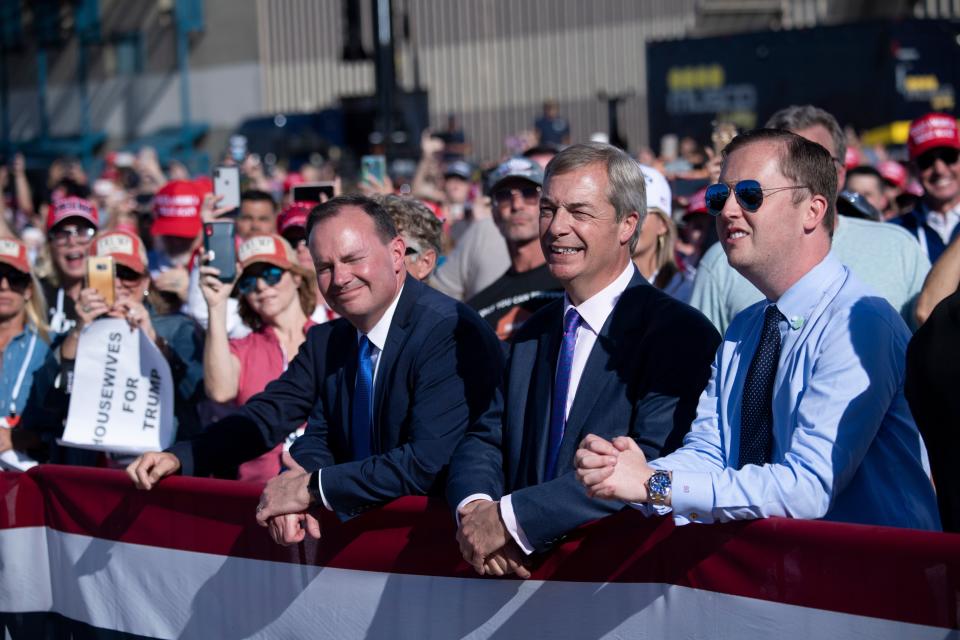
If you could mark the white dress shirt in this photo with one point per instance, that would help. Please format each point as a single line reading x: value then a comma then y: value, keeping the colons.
x: 378, y: 340
x: 594, y: 313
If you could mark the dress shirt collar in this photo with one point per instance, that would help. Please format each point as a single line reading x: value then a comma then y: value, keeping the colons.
x: 799, y: 301
x: 378, y: 335
x: 597, y: 309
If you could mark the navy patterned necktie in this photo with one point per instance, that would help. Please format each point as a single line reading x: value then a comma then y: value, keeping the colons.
x: 756, y: 407
x: 561, y: 388
x: 362, y: 427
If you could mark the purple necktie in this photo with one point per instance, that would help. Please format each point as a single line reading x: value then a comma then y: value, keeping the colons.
x: 561, y: 384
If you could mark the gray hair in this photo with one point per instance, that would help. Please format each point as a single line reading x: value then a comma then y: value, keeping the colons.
x: 798, y: 117
x: 626, y: 190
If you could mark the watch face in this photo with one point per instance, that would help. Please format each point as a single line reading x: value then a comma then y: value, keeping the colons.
x: 660, y: 483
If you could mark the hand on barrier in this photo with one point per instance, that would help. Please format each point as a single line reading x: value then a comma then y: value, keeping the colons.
x: 506, y: 560
x: 481, y: 532
x: 287, y: 494
x: 613, y: 470
x: 152, y: 467
x: 292, y: 528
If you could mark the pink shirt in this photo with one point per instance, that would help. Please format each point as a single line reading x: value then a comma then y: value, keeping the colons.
x: 261, y: 361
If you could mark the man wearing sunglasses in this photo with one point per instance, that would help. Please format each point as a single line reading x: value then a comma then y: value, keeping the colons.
x: 613, y: 354
x: 881, y: 255
x: 804, y: 415
x: 527, y: 285
x: 934, y: 147
x: 387, y: 390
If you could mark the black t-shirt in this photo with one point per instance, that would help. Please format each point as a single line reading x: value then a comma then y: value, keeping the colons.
x: 552, y: 130
x: 62, y: 318
x: 514, y: 297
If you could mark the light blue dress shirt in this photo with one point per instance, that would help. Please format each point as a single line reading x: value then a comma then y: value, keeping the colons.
x: 14, y: 359
x: 845, y: 446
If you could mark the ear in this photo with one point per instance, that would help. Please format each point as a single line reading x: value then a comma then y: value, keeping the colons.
x: 814, y: 213
x: 428, y: 259
x: 398, y: 249
x: 627, y: 227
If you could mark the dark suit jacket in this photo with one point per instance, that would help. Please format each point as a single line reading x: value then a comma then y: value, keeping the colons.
x: 933, y: 369
x: 439, y: 372
x: 643, y: 377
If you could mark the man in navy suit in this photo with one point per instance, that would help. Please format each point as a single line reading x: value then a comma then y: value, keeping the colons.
x: 387, y: 391
x: 614, y: 355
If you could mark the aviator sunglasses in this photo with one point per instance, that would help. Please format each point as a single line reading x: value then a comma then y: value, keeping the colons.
x: 749, y: 195
x: 270, y: 276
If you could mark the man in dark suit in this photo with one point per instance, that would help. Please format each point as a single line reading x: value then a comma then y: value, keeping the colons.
x: 615, y: 355
x: 387, y: 391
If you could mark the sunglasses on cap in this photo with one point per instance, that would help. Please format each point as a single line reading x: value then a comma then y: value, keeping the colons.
x: 504, y: 197
x: 749, y: 195
x: 947, y: 155
x: 270, y: 276
x: 16, y: 279
x: 62, y: 235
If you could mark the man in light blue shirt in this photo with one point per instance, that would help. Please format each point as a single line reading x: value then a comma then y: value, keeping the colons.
x: 804, y: 415
x: 883, y: 256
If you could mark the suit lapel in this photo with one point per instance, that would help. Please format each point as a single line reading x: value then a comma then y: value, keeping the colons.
x: 541, y: 392
x: 388, y: 357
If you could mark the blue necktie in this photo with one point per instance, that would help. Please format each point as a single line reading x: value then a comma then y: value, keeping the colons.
x: 756, y: 407
x: 561, y: 384
x: 361, y: 429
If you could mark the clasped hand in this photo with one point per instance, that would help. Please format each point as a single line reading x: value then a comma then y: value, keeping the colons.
x: 615, y: 470
x: 485, y: 542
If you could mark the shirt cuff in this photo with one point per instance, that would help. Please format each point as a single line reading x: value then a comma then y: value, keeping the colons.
x: 470, y: 498
x: 320, y: 487
x: 692, y: 497
x: 513, y: 527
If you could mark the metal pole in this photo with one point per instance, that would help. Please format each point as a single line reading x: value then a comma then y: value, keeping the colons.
x: 4, y: 104
x: 183, y: 53
x: 42, y: 92
x: 84, y: 101
x: 384, y: 66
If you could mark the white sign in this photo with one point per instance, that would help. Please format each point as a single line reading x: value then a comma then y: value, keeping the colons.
x: 122, y: 397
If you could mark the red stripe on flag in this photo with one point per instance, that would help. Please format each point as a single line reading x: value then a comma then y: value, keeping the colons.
x: 895, y: 574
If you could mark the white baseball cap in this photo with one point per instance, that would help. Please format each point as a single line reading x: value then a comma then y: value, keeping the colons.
x: 659, y: 195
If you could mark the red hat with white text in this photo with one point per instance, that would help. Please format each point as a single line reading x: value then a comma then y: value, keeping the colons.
x: 931, y: 131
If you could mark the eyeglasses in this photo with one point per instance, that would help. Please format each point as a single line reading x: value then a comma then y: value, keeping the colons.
x: 945, y: 154
x: 270, y: 276
x: 504, y: 197
x: 749, y: 195
x: 126, y: 274
x: 62, y: 235
x: 17, y: 280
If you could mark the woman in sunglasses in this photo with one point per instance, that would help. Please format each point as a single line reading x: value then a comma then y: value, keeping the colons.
x: 23, y: 334
x: 136, y: 301
x: 71, y: 224
x: 276, y: 300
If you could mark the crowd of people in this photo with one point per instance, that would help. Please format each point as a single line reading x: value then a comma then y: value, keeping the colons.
x: 543, y: 339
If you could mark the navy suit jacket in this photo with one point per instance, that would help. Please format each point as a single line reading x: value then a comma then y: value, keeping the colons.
x: 643, y: 378
x: 439, y: 372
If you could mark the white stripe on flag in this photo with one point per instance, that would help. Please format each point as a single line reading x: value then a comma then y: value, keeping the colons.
x: 169, y: 593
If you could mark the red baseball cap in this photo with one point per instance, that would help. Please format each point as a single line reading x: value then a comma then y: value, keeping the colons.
x: 125, y: 248
x: 893, y: 172
x: 697, y: 203
x: 272, y: 249
x: 931, y: 131
x: 176, y: 210
x: 204, y: 185
x: 14, y: 253
x: 294, y: 215
x: 852, y: 158
x: 291, y: 181
x: 72, y: 207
